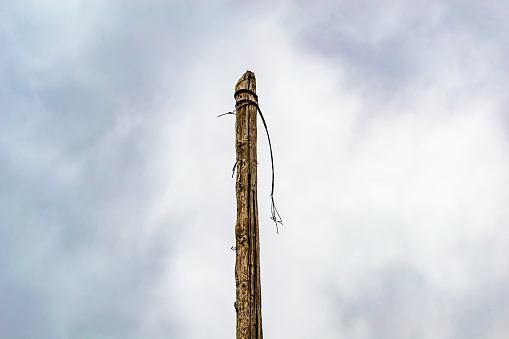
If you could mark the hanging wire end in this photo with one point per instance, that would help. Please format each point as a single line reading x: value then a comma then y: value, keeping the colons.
x: 232, y: 112
x: 275, y: 214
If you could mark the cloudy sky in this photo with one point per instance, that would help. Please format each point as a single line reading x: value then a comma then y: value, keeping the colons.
x: 390, y: 127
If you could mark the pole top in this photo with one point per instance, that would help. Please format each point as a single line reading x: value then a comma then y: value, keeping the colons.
x: 247, y: 81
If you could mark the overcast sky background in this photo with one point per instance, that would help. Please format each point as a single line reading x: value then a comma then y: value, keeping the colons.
x: 390, y: 127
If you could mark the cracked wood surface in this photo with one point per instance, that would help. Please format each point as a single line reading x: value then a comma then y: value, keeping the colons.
x: 247, y: 265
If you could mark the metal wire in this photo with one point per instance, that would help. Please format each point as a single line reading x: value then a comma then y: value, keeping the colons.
x: 273, y: 210
x: 232, y: 112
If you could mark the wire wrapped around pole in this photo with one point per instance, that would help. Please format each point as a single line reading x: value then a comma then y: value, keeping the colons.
x: 275, y: 216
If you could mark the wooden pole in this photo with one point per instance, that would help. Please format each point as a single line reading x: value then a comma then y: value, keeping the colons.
x: 247, y: 265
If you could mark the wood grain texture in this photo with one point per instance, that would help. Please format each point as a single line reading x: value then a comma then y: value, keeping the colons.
x: 247, y: 265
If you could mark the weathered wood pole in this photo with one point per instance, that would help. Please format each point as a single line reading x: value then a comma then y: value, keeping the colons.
x: 247, y: 265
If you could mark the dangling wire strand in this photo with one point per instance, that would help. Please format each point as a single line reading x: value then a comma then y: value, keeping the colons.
x: 232, y: 112
x: 275, y: 216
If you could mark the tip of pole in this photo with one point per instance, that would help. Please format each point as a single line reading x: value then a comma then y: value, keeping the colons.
x: 248, y: 73
x: 247, y: 81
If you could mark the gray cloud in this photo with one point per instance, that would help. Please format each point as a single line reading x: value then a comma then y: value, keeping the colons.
x: 79, y: 98
x: 397, y: 302
x: 388, y: 47
x: 482, y: 314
